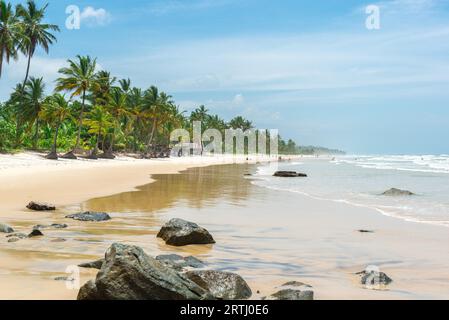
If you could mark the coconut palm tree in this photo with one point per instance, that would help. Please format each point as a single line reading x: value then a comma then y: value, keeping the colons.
x: 10, y: 33
x: 55, y: 110
x: 117, y: 107
x: 101, y: 88
x: 241, y: 123
x: 36, y: 33
x: 78, y: 78
x: 99, y: 122
x: 32, y: 99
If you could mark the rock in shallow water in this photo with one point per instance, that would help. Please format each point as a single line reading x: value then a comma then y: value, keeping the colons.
x: 35, y: 233
x: 129, y: 274
x: 41, y: 206
x: 397, y: 192
x: 4, y: 228
x: 373, y: 279
x: 178, y: 232
x: 90, y: 216
x: 293, y: 290
x: 289, y: 174
x: 54, y: 225
x: 222, y: 285
x: 180, y: 263
x: 92, y: 265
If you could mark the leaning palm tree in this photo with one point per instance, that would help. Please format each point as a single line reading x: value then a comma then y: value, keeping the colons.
x: 10, y: 33
x: 32, y: 99
x: 55, y: 111
x: 117, y: 107
x: 36, y: 32
x: 99, y: 121
x: 78, y: 79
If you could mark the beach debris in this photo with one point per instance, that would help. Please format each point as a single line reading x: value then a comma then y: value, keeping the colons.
x: 92, y: 265
x: 128, y: 273
x: 372, y: 278
x: 222, y: 285
x: 90, y: 216
x: 54, y: 225
x: 293, y: 290
x: 35, y: 233
x: 40, y: 206
x: 180, y: 263
x: 397, y: 192
x: 289, y: 174
x: 178, y: 232
x: 4, y: 228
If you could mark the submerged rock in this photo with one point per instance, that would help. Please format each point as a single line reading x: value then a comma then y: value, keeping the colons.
x: 54, y: 225
x: 90, y: 216
x: 92, y: 265
x: 222, y: 285
x: 292, y: 290
x: 129, y: 274
x: 289, y: 174
x: 17, y: 235
x: 180, y: 263
x: 372, y: 278
x: 41, y: 206
x: 178, y: 232
x: 4, y: 228
x: 397, y: 192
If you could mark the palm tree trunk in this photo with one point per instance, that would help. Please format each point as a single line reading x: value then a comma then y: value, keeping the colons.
x: 36, y: 135
x: 28, y: 69
x: 1, y: 62
x: 78, y: 137
x: 152, y: 135
x: 55, y: 141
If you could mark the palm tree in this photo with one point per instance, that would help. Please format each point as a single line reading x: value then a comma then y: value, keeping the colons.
x: 10, y: 33
x: 32, y: 99
x: 36, y: 33
x: 201, y: 114
x: 99, y: 121
x: 117, y: 106
x: 101, y: 88
x: 241, y: 123
x: 55, y: 110
x: 78, y: 79
x: 125, y: 84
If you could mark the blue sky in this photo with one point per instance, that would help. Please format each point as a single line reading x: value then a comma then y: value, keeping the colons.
x: 310, y: 68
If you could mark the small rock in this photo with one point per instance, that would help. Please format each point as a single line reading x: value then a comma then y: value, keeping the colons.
x: 365, y: 231
x: 54, y: 225
x: 373, y: 279
x: 92, y: 265
x: 35, y: 233
x: 178, y: 232
x: 222, y: 285
x: 397, y: 192
x: 40, y: 206
x: 17, y: 235
x: 5, y: 228
x: 13, y: 239
x: 180, y: 263
x: 65, y: 279
x: 292, y: 290
x: 289, y: 174
x: 90, y: 216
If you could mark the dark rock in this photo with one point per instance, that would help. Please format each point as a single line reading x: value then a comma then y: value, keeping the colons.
x: 5, y: 228
x: 222, y: 285
x: 180, y: 263
x: 292, y: 290
x: 374, y: 279
x: 178, y: 232
x: 90, y: 216
x: 69, y: 155
x: 52, y: 156
x: 35, y: 233
x: 397, y: 193
x: 365, y: 231
x: 289, y: 174
x: 129, y: 274
x: 40, y: 206
x: 92, y: 265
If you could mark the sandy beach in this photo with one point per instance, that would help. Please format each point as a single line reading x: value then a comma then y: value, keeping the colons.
x: 267, y: 236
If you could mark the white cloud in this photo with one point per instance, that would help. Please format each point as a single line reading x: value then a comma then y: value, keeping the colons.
x: 95, y: 17
x: 238, y: 99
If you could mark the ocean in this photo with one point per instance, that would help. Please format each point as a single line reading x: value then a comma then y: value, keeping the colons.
x: 361, y: 180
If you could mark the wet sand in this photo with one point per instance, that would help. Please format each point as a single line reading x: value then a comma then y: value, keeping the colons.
x: 269, y: 237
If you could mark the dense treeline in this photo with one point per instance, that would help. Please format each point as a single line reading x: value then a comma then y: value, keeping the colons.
x: 90, y: 111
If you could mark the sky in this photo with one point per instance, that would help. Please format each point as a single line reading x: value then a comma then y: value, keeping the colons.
x: 311, y: 69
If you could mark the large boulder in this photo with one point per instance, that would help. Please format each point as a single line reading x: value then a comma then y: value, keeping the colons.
x: 397, y: 193
x: 178, y: 232
x: 289, y: 174
x: 41, y: 206
x: 293, y: 290
x: 4, y: 228
x: 180, y: 263
x: 222, y: 285
x: 90, y: 216
x: 129, y: 274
